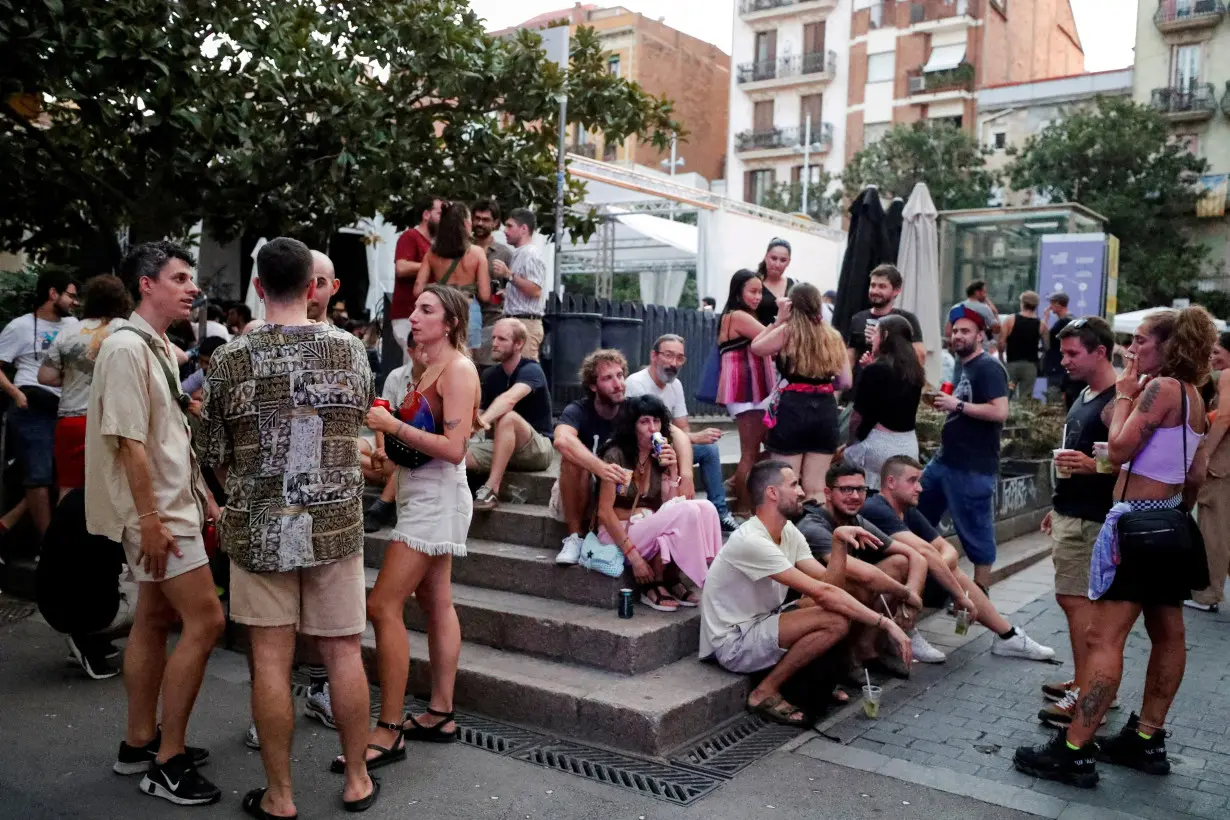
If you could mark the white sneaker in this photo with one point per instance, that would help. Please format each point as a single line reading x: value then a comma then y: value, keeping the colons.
x: 1021, y: 645
x: 1200, y: 607
x: 320, y: 707
x: 571, y: 553
x: 250, y: 738
x: 923, y: 651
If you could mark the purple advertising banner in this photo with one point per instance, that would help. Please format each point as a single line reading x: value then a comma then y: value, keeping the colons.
x: 1075, y: 264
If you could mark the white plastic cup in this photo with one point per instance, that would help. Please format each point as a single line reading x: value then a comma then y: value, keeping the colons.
x: 1059, y: 471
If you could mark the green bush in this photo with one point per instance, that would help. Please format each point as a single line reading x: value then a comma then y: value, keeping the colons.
x: 16, y: 293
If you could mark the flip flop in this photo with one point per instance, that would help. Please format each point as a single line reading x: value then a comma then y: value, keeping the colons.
x: 252, y: 807
x: 363, y: 803
x: 775, y: 709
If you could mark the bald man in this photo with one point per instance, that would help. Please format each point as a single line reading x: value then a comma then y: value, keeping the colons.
x: 326, y: 284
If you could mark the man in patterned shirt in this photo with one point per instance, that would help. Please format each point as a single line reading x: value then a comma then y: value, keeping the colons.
x: 282, y: 414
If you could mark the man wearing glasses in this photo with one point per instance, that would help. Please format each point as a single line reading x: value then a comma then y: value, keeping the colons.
x: 661, y: 379
x: 485, y: 215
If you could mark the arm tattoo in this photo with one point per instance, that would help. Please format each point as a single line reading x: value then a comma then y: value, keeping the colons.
x: 451, y: 424
x: 1150, y: 396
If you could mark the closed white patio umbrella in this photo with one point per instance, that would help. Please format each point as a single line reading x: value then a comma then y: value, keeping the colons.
x: 919, y: 263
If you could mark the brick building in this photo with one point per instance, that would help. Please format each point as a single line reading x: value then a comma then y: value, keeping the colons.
x: 926, y: 59
x: 693, y: 74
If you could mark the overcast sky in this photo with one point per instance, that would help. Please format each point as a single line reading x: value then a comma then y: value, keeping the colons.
x: 1106, y: 37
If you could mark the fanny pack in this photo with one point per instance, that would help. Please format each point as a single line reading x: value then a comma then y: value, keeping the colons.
x: 1167, y: 536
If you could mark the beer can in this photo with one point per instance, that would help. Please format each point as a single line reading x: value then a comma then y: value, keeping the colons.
x: 658, y: 442
x: 625, y: 603
x: 947, y: 388
x: 382, y: 403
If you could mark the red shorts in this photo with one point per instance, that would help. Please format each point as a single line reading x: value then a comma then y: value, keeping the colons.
x: 70, y: 452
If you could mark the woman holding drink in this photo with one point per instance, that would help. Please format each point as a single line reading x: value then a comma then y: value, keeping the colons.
x: 433, y: 517
x: 1144, y: 557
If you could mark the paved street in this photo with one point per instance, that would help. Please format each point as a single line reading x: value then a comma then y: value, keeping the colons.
x: 59, y: 733
x: 956, y: 726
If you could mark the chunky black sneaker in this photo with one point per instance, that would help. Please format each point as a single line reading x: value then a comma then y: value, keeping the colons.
x: 91, y: 656
x: 1129, y: 749
x: 135, y: 760
x: 1055, y: 761
x: 178, y: 781
x: 379, y: 515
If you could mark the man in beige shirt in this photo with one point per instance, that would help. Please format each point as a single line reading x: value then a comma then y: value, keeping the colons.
x: 144, y: 489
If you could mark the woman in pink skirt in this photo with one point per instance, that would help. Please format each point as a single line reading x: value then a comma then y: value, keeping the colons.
x: 664, y: 536
x: 746, y: 380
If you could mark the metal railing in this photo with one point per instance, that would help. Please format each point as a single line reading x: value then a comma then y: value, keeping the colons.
x: 926, y: 11
x: 790, y: 137
x: 752, y: 6
x: 1208, y: 12
x: 959, y: 78
x: 1197, y: 98
x: 797, y: 65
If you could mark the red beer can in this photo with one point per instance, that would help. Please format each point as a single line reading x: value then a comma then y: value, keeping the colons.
x: 382, y: 403
x: 210, y: 536
x: 946, y: 388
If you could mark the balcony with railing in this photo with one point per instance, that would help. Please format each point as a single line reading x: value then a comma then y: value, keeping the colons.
x: 1182, y: 15
x: 1191, y: 103
x: 760, y: 9
x: 785, y: 140
x: 943, y: 11
x: 793, y: 70
x: 960, y: 78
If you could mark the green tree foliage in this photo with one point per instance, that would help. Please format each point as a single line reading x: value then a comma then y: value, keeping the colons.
x: 295, y: 117
x: 938, y: 153
x: 788, y: 198
x: 1117, y: 158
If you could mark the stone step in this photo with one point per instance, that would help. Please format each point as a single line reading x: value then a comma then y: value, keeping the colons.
x: 528, y: 524
x: 577, y: 634
x: 650, y: 714
x: 522, y: 569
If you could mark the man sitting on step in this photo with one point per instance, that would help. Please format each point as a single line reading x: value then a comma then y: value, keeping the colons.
x: 516, y: 414
x: 584, y: 427
x: 876, y: 576
x: 895, y: 512
x: 746, y: 624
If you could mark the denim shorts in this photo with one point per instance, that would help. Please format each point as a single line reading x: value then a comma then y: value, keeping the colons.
x: 34, y: 437
x: 969, y: 499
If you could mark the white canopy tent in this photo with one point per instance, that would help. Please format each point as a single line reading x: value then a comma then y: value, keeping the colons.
x: 1128, y: 322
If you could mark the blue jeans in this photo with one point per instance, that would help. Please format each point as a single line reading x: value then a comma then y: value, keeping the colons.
x: 34, y: 435
x: 969, y: 498
x: 710, y: 461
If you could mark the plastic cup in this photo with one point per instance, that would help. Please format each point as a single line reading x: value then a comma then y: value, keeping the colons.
x: 871, y: 701
x: 1059, y: 471
x: 962, y: 622
x: 1101, y: 457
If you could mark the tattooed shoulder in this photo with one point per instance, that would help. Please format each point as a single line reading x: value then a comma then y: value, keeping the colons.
x: 1152, y: 391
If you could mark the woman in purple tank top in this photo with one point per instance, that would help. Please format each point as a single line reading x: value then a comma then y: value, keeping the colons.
x: 1157, y: 434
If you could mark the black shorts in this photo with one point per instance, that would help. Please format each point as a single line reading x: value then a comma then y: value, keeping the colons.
x: 1150, y: 583
x: 806, y: 423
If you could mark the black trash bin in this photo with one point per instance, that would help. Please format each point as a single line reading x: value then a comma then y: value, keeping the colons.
x: 624, y: 334
x: 573, y: 336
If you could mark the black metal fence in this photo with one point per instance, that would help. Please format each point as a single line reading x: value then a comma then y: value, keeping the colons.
x: 571, y: 335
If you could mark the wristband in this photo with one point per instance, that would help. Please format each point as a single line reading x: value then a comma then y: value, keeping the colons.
x: 880, y: 622
x: 961, y: 407
x: 147, y: 515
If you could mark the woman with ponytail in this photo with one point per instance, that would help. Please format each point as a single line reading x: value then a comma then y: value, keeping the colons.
x: 1145, y: 557
x: 812, y: 360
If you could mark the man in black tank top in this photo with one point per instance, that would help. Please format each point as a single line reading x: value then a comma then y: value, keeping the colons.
x: 1081, y: 499
x: 1020, y: 338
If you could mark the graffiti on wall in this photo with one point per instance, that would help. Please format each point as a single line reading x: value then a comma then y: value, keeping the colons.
x: 1016, y: 495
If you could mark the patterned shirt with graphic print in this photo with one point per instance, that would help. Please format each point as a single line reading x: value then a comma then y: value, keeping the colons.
x: 283, y: 411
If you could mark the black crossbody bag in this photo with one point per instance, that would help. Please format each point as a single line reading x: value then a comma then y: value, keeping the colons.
x: 1162, y: 537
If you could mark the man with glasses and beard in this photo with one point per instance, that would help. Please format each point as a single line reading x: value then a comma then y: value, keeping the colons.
x: 485, y: 216
x: 661, y: 379
x: 746, y: 624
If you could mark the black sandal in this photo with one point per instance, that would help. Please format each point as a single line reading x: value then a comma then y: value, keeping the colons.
x: 388, y: 755
x: 252, y: 807
x: 364, y: 803
x: 431, y: 734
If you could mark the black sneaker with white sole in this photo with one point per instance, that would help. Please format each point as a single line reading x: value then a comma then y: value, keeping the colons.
x: 179, y: 782
x: 135, y: 760
x: 1056, y: 761
x: 91, y: 656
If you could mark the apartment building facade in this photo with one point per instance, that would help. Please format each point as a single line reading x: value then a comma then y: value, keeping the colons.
x: 1182, y: 70
x: 913, y: 60
x: 693, y: 74
x: 789, y: 60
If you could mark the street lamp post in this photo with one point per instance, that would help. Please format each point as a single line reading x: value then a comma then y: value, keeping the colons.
x: 806, y: 158
x: 559, y: 191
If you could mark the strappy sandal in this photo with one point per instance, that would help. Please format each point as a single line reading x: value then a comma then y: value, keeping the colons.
x: 775, y: 709
x: 431, y: 734
x: 387, y: 755
x: 687, y: 598
x: 656, y: 597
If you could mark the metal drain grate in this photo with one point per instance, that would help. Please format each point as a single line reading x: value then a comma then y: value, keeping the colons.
x: 736, y: 746
x: 12, y: 611
x: 668, y: 783
x: 481, y: 733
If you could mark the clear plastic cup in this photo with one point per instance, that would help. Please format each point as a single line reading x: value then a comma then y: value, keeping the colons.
x: 871, y: 701
x: 962, y: 621
x: 1101, y: 457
